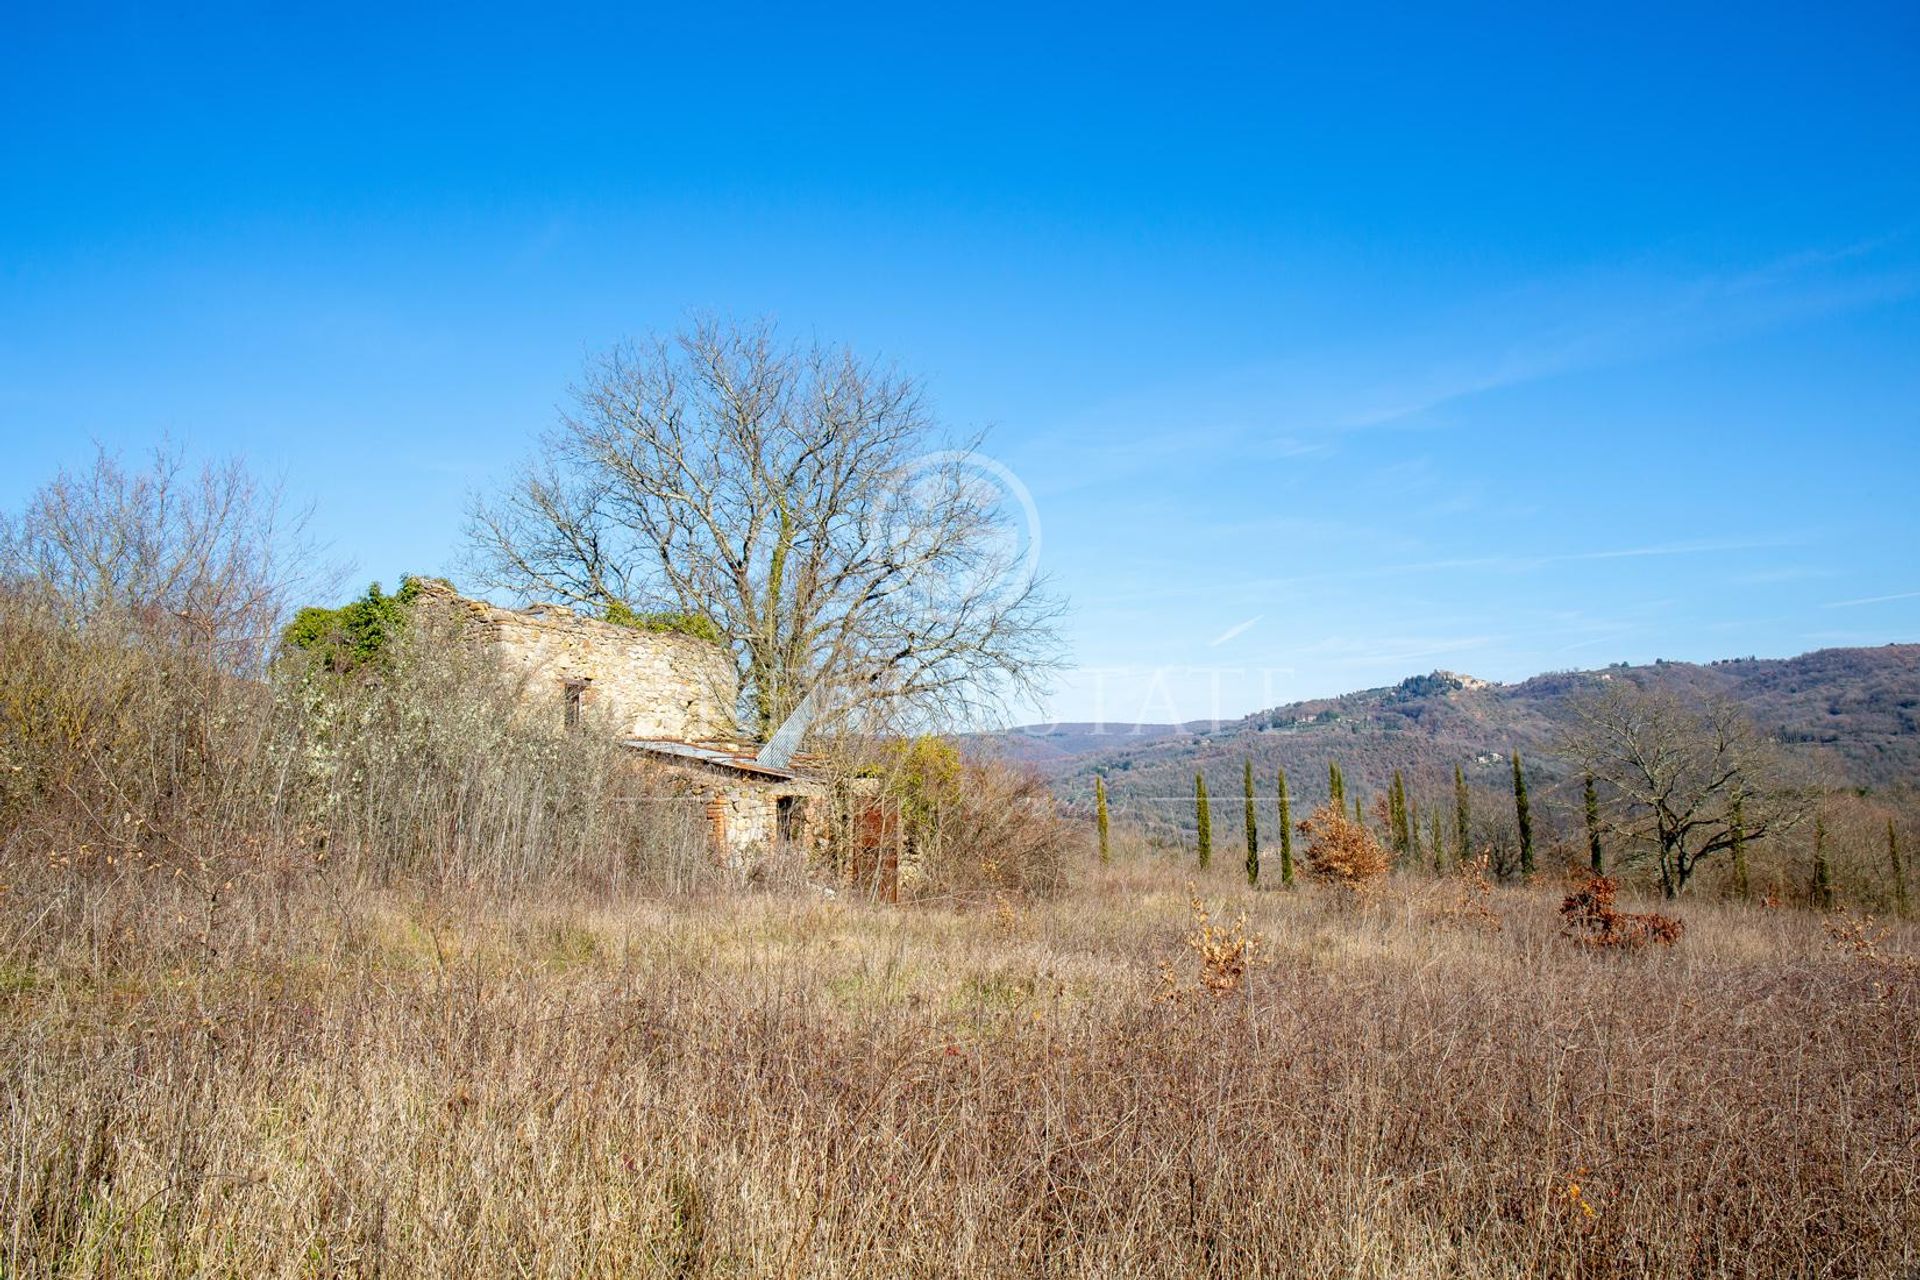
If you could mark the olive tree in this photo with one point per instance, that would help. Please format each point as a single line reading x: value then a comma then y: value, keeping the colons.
x: 805, y: 500
x: 1681, y: 781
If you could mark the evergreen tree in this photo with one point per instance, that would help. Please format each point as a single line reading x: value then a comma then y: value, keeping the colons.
x: 1203, y: 818
x: 1253, y: 831
x: 1822, y: 873
x: 1594, y: 852
x: 1522, y: 816
x: 1410, y: 814
x: 1286, y: 835
x: 1100, y: 817
x: 1738, y: 851
x: 1397, y: 815
x: 1462, y: 817
x: 1899, y: 869
x: 1359, y: 814
x: 1438, y: 835
x: 1336, y: 785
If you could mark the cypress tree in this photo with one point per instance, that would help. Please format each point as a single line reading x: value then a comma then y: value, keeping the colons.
x: 1203, y: 818
x: 1100, y: 816
x: 1738, y: 851
x: 1336, y: 785
x: 1359, y: 814
x: 1522, y: 816
x: 1437, y: 833
x: 1822, y: 873
x: 1397, y: 815
x: 1286, y: 835
x: 1462, y: 817
x: 1899, y: 869
x: 1594, y: 853
x: 1410, y: 814
x: 1393, y: 814
x: 1253, y: 831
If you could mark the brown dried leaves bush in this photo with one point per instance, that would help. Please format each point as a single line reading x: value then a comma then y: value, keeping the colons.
x: 1591, y: 919
x: 1465, y: 899
x: 1224, y: 952
x: 1342, y: 852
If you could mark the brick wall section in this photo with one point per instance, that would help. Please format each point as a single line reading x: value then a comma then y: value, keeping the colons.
x: 641, y: 684
x: 749, y: 818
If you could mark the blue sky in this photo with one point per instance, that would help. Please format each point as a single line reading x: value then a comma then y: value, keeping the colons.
x: 1332, y: 346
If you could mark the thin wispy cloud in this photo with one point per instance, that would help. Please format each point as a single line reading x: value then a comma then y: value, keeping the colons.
x: 1391, y: 651
x: 1609, y: 638
x: 1785, y: 573
x: 1238, y: 629
x: 1887, y: 599
x: 1539, y: 329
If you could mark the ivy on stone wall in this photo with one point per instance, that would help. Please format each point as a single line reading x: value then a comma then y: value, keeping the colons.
x: 699, y: 626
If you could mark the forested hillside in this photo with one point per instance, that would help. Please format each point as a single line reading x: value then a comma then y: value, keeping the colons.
x: 1852, y: 714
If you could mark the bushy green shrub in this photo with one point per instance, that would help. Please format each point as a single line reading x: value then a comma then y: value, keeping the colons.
x: 357, y: 633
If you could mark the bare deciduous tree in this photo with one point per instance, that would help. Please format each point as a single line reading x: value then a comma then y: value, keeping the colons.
x: 1682, y: 782
x: 805, y: 500
x: 206, y: 556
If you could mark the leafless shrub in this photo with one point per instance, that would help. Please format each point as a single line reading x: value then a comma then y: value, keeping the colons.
x: 974, y: 828
x: 1863, y: 941
x: 1465, y: 899
x: 115, y: 746
x: 200, y: 559
x: 136, y: 606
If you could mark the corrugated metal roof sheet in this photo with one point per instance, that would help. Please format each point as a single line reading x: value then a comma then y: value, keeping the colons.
x: 714, y: 757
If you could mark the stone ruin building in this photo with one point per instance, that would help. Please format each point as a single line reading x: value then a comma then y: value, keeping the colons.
x: 670, y: 698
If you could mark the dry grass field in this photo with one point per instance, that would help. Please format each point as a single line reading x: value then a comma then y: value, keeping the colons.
x: 299, y: 1080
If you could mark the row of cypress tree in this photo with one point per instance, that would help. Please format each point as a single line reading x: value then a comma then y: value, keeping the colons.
x: 1403, y: 827
x: 1403, y: 830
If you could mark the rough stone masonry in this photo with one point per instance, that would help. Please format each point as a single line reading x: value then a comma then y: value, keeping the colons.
x: 639, y: 683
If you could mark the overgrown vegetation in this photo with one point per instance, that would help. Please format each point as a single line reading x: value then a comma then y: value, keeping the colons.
x: 140, y: 739
x: 341, y: 1079
x: 356, y: 634
x: 340, y: 964
x: 697, y: 625
x: 972, y: 827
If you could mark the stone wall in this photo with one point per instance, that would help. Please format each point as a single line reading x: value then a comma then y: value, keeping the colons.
x: 636, y: 683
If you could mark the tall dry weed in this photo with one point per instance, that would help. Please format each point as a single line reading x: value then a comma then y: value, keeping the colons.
x: 563, y: 1083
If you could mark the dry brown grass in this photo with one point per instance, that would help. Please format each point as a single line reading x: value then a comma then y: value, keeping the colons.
x: 311, y: 1082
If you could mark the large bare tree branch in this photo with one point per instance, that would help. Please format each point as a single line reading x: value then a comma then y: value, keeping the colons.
x: 805, y: 500
x: 1682, y: 782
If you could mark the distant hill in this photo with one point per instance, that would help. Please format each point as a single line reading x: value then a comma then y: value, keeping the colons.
x: 1055, y: 748
x: 1856, y: 711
